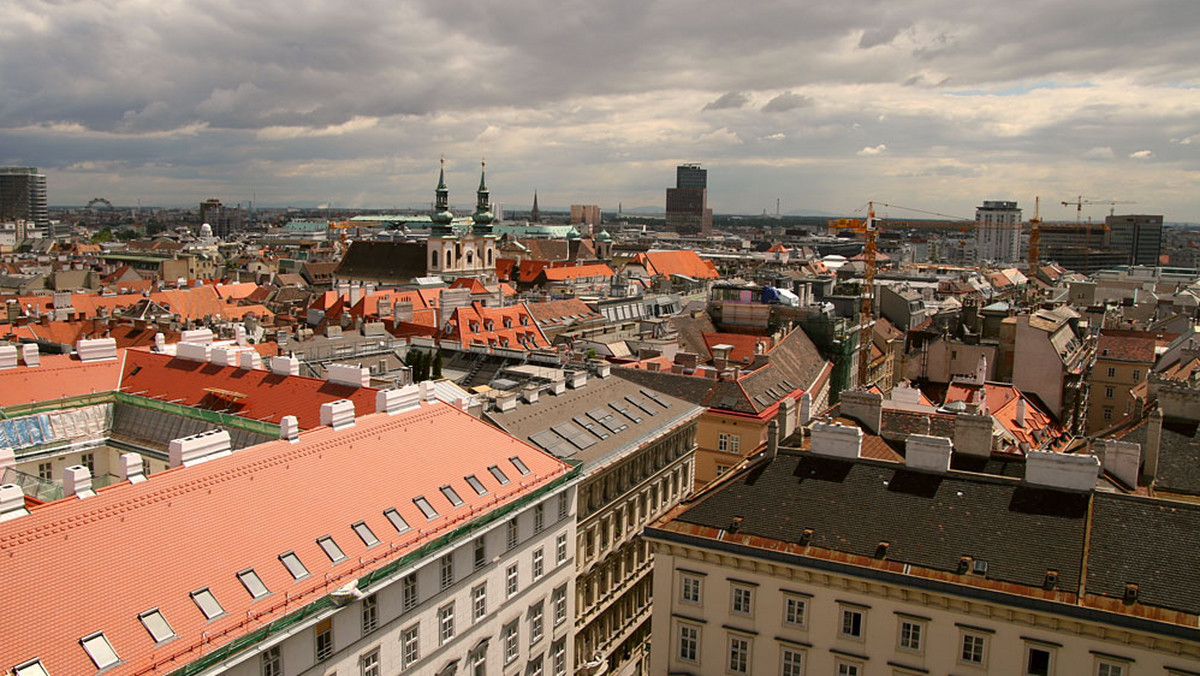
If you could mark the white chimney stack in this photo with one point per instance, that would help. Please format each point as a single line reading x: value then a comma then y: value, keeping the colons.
x: 346, y: 374
x: 1073, y: 472
x: 398, y: 400
x: 12, y: 502
x: 577, y: 379
x: 160, y: 342
x: 338, y: 414
x: 285, y: 366
x: 239, y: 335
x: 77, y: 481
x: 289, y: 428
x: 193, y: 351
x: 1020, y: 412
x: 250, y: 361
x: 29, y: 352
x: 929, y: 453
x: 130, y: 468
x: 200, y: 448
x: 529, y: 394
x: 202, y: 336
x: 837, y: 440
x: 96, y: 349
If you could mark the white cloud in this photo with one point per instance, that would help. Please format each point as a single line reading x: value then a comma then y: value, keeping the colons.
x: 777, y: 136
x: 873, y: 150
x: 1142, y: 154
x: 1100, y: 153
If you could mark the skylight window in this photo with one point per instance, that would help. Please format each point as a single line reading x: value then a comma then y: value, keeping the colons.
x: 331, y: 548
x: 476, y: 485
x: 157, y: 625
x: 397, y: 521
x: 293, y: 565
x: 499, y: 474
x: 365, y: 534
x: 100, y: 650
x: 426, y: 508
x: 207, y: 603
x: 451, y: 495
x: 520, y: 465
x: 31, y: 668
x: 253, y: 583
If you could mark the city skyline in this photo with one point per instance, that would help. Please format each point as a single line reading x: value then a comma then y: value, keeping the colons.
x: 938, y: 106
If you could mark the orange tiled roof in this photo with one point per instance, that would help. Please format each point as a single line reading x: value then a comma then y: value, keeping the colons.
x: 59, y: 376
x: 1001, y: 402
x: 133, y: 547
x: 683, y: 262
x: 512, y: 327
x: 268, y: 396
x: 235, y: 291
x: 743, y: 344
x: 560, y: 274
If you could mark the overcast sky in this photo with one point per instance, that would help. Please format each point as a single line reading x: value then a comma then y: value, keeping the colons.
x: 930, y: 104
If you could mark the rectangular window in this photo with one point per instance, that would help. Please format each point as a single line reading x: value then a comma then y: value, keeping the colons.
x: 410, y: 645
x: 794, y: 609
x: 1038, y: 661
x: 207, y: 603
x: 1106, y: 668
x: 253, y: 583
x: 272, y: 662
x: 910, y: 635
x: 690, y: 592
x: 365, y: 534
x: 510, y: 534
x: 739, y: 655
x: 370, y: 664
x: 451, y: 495
x: 293, y: 565
x: 689, y: 643
x: 45, y: 471
x: 973, y: 647
x: 1108, y: 393
x: 852, y: 623
x: 100, y: 650
x: 848, y: 669
x: 445, y: 623
x: 560, y: 548
x: 559, y: 658
x: 539, y: 518
x: 324, y: 639
x: 539, y: 566
x: 410, y: 591
x: 562, y: 506
x: 498, y: 474
x: 426, y: 508
x: 480, y: 553
x: 396, y: 520
x: 792, y: 663
x: 88, y: 460
x: 520, y: 465
x: 743, y: 600
x: 476, y: 485
x: 558, y: 601
x: 370, y: 614
x: 512, y: 647
x: 479, y: 602
x: 510, y: 580
x: 729, y: 443
x: 537, y: 623
x: 331, y: 549
x: 157, y: 625
x: 1137, y: 375
x: 1112, y: 372
x: 447, y: 566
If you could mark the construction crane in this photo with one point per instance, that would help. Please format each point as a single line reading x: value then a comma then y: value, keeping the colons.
x: 1080, y: 202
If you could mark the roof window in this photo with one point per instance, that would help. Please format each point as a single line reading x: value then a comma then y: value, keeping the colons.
x: 476, y: 485
x: 207, y: 603
x: 397, y: 521
x: 100, y: 650
x: 31, y: 668
x: 498, y: 474
x: 365, y: 533
x: 520, y: 465
x: 253, y: 583
x: 426, y: 508
x: 451, y: 495
x: 331, y: 548
x: 157, y: 625
x: 293, y: 565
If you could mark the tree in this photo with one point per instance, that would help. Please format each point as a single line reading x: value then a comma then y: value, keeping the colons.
x: 437, y: 364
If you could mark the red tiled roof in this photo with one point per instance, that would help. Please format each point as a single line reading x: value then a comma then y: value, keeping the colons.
x: 505, y: 267
x: 560, y: 311
x: 469, y: 325
x: 743, y: 345
x: 683, y: 262
x: 268, y: 396
x: 559, y: 274
x: 133, y: 547
x: 1136, y: 346
x: 1001, y: 402
x: 471, y: 283
x: 235, y: 291
x: 59, y: 376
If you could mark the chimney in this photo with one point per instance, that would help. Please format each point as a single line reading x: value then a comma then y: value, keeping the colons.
x: 1153, y: 445
x: 805, y: 408
x: 356, y: 294
x: 772, y: 440
x: 285, y: 366
x: 129, y: 468
x: 199, y: 448
x: 96, y: 349
x: 77, y: 481
x: 928, y: 453
x: 865, y: 407
x: 201, y: 336
x: 677, y: 369
x: 837, y: 440
x: 289, y: 428
x: 603, y: 369
x: 346, y: 374
x: 558, y: 386
x: 224, y: 356
x: 787, y: 417
x: 761, y: 359
x: 239, y: 335
x: 1121, y: 459
x: 160, y: 342
x: 653, y: 366
x: 398, y: 400
x: 250, y: 361
x: 193, y: 351
x: 577, y: 379
x: 529, y: 394
x: 687, y: 360
x: 12, y: 502
x: 1020, y: 411
x: 506, y: 401
x: 29, y: 353
x: 1072, y: 472
x: 973, y: 434
x: 338, y: 414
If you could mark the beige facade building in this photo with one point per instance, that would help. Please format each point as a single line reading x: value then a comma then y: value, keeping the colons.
x: 1124, y: 360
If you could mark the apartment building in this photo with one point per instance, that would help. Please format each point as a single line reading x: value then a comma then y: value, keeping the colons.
x: 637, y: 449
x: 933, y: 570
x: 359, y: 547
x: 1124, y: 360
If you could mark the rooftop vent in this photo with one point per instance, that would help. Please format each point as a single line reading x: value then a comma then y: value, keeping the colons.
x: 199, y: 336
x: 735, y: 525
x: 130, y: 468
x: 1131, y: 593
x: 96, y: 349
x: 200, y: 448
x: 250, y: 361
x: 346, y: 374
x: 398, y: 400
x: 12, y: 502
x: 964, y: 565
x: 77, y: 480
x: 806, y: 537
x: 289, y: 428
x: 8, y: 356
x: 29, y: 353
x: 338, y: 414
x: 285, y: 366
x: 881, y: 549
x: 1051, y: 580
x: 193, y: 351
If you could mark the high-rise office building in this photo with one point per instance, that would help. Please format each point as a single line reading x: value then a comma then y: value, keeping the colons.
x: 1139, y: 237
x: 998, y: 232
x: 23, y: 195
x: 687, y: 202
x: 224, y: 220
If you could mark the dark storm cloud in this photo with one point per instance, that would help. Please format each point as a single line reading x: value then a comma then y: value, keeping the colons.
x: 729, y: 100
x: 786, y: 102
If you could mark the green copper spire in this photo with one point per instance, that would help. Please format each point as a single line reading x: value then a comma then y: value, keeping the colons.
x: 442, y: 216
x: 483, y: 204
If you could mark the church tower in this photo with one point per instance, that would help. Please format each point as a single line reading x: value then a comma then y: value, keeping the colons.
x: 441, y: 217
x: 483, y: 205
x: 535, y: 216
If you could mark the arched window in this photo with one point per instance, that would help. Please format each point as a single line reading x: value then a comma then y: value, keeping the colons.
x: 489, y: 256
x: 448, y: 258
